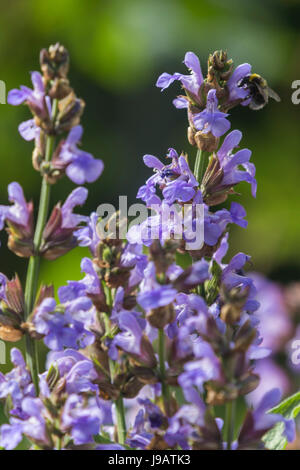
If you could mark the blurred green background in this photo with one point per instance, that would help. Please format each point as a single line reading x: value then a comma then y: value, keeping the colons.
x: 118, y: 48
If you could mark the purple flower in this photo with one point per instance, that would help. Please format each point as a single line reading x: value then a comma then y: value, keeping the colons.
x: 238, y: 214
x: 158, y: 297
x: 110, y: 447
x: 77, y: 371
x: 17, y: 383
x: 236, y: 92
x: 152, y: 413
x: 19, y: 212
x: 139, y: 436
x: 232, y: 277
x: 191, y: 83
x: 230, y: 163
x: 66, y: 325
x: 258, y: 422
x: 76, y: 198
x: 34, y: 98
x: 211, y: 119
x: 88, y: 235
x: 132, y: 256
x: 90, y: 284
x: 131, y: 335
x: 29, y: 130
x: 54, y: 326
x: 197, y: 372
x: 271, y: 376
x: 81, y: 167
x: 188, y: 343
x: 32, y: 424
x: 275, y: 324
x: 64, y: 360
x: 215, y: 224
x: 182, y: 424
x: 11, y: 434
x: 164, y: 225
x: 187, y: 305
x: 79, y: 378
x: 132, y: 340
x: 81, y: 419
x: 197, y: 274
x: 3, y: 282
x: 175, y: 179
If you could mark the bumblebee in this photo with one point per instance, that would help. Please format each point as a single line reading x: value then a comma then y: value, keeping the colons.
x: 259, y: 91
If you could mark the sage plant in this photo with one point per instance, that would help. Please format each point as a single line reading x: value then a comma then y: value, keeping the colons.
x: 146, y: 351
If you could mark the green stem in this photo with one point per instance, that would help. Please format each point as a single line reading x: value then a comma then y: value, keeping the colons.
x: 121, y: 423
x: 229, y: 423
x: 162, y: 368
x: 110, y: 361
x: 119, y: 404
x: 34, y: 261
x: 200, y: 165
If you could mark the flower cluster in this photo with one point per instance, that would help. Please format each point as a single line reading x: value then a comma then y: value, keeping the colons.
x: 164, y: 340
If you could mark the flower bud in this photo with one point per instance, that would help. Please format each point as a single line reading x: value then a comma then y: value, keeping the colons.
x: 145, y: 375
x: 161, y: 316
x: 9, y: 333
x: 157, y: 443
x: 245, y: 337
x: 205, y: 251
x: 54, y: 62
x: 12, y: 311
x: 219, y: 67
x: 57, y: 240
x: 52, y: 376
x: 230, y: 314
x: 117, y: 277
x: 147, y: 357
x: 210, y: 186
x: 70, y: 110
x: 20, y: 239
x: 206, y: 141
x: 132, y: 387
x: 163, y: 256
x: 235, y: 300
x: 191, y: 135
x: 60, y: 89
x: 249, y: 383
x: 129, y: 302
x: 219, y: 393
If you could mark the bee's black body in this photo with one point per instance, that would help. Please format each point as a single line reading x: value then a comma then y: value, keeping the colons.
x: 259, y: 91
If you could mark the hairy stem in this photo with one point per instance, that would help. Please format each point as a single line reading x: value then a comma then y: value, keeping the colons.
x: 162, y: 368
x: 32, y: 359
x: 119, y: 404
x: 229, y: 423
x: 200, y: 165
x: 121, y: 423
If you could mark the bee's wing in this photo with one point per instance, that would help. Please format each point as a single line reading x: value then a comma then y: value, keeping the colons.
x: 273, y: 94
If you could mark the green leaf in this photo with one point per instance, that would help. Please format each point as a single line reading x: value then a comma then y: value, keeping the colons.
x: 212, y: 286
x: 105, y: 439
x: 289, y: 409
